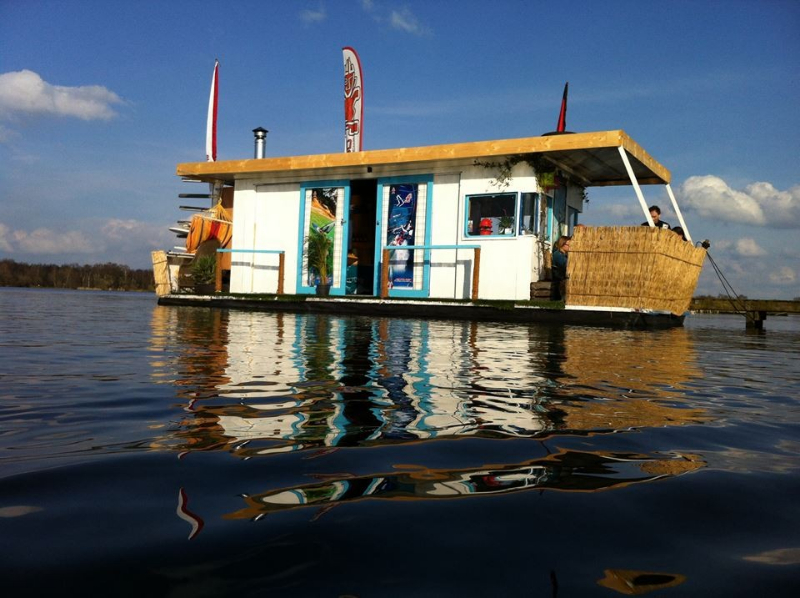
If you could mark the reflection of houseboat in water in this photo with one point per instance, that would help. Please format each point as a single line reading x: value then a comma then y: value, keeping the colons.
x: 477, y: 223
x: 358, y: 382
x: 569, y: 471
x: 321, y: 384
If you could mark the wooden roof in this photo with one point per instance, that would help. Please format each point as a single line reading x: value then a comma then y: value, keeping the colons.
x: 592, y: 158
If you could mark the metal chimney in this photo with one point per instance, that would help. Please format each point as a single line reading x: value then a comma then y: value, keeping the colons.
x: 261, y: 142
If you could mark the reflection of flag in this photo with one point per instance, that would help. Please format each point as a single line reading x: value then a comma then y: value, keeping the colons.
x: 211, y: 125
x: 353, y: 101
x: 184, y: 513
x: 562, y: 117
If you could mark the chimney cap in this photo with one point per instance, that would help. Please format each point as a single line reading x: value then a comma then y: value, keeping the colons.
x: 260, y: 131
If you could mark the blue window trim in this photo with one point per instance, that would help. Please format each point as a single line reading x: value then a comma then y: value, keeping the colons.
x: 535, y: 213
x: 302, y: 288
x: 468, y: 198
x: 426, y: 179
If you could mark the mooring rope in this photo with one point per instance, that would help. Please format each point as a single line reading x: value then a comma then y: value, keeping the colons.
x: 733, y: 299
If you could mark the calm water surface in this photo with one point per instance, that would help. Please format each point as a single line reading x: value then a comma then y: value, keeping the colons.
x: 167, y: 451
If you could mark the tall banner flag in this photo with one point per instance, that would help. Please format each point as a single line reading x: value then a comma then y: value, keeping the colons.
x: 562, y: 117
x: 211, y: 125
x: 353, y: 101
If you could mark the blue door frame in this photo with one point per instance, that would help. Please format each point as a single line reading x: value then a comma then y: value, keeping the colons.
x: 339, y: 271
x: 426, y: 180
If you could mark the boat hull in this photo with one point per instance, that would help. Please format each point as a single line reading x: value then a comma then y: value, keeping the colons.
x: 442, y: 310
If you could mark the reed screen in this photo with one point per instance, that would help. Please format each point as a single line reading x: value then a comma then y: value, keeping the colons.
x: 636, y: 267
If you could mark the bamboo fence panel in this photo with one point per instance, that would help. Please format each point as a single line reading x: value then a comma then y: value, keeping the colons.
x: 636, y: 267
x: 161, y: 272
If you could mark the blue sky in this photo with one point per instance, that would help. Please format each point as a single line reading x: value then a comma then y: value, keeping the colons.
x: 100, y: 100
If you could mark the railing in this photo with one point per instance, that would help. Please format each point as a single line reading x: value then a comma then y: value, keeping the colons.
x: 387, y: 249
x: 281, y: 266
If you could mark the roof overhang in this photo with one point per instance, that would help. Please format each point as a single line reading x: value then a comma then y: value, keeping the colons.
x: 593, y: 159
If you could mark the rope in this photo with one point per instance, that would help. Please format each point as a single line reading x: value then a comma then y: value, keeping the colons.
x: 733, y: 299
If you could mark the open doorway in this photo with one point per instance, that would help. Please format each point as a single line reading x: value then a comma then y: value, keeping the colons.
x: 361, y: 245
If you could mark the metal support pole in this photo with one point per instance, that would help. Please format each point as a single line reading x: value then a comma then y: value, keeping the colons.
x: 678, y: 213
x: 635, y: 184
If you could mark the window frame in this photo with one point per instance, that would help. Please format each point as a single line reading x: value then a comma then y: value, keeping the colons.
x: 515, y: 197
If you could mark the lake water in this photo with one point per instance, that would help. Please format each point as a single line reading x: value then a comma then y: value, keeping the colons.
x: 172, y: 451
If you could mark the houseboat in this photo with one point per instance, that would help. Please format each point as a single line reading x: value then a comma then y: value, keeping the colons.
x: 456, y: 230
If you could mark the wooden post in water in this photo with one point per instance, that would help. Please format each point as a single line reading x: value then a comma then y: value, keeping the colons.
x: 385, y: 274
x: 281, y: 266
x: 218, y: 273
x: 755, y: 320
x: 476, y: 273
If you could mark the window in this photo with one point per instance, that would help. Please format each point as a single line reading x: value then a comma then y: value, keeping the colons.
x: 530, y: 210
x: 573, y: 218
x: 491, y: 214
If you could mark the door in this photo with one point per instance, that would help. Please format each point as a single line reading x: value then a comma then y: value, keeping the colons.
x: 403, y: 222
x: 323, y: 236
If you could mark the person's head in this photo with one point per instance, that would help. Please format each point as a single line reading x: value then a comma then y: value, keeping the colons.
x: 562, y: 244
x: 679, y: 231
x: 655, y: 214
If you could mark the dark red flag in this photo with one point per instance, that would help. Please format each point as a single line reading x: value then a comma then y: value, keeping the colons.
x: 562, y: 116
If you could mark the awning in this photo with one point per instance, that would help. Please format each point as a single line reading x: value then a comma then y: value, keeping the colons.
x: 593, y: 159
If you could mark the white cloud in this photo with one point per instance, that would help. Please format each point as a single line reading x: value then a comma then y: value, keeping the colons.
x: 313, y: 16
x: 6, y: 134
x: 26, y: 92
x: 117, y: 229
x: 405, y: 20
x: 128, y: 237
x: 402, y: 19
x: 5, y: 243
x: 748, y: 247
x: 744, y: 247
x: 759, y: 204
x: 783, y: 275
x: 43, y: 241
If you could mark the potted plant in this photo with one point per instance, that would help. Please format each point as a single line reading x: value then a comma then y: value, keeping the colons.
x: 506, y: 225
x: 204, y: 274
x: 318, y: 252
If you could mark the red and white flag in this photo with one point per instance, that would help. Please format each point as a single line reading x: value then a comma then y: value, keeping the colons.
x: 353, y: 101
x: 211, y: 125
x: 562, y: 116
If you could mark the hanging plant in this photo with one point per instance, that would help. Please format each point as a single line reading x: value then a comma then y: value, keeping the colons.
x: 538, y: 162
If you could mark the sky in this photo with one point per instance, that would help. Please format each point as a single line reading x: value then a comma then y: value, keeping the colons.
x: 99, y: 101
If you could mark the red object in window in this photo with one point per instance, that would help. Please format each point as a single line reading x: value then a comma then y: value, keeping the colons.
x: 486, y: 226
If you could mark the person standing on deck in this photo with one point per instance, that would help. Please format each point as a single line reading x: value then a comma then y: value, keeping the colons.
x: 559, y: 267
x: 655, y: 214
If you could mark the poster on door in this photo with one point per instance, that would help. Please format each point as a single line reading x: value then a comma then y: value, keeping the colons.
x: 400, y: 233
x: 321, y: 235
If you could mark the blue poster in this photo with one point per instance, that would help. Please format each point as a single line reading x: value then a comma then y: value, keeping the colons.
x: 400, y: 232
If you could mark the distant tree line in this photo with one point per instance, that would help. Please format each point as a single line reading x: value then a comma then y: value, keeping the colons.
x: 106, y: 277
